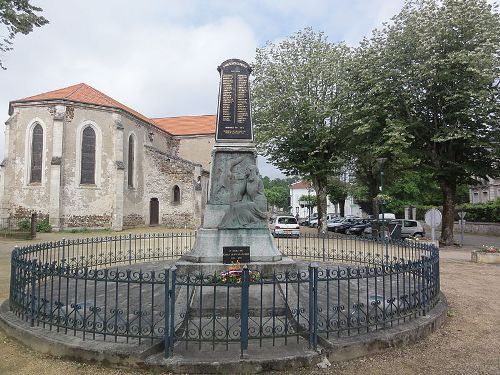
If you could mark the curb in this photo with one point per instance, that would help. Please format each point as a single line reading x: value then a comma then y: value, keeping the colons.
x: 132, y: 355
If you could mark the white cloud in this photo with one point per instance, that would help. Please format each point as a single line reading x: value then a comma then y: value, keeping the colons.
x: 160, y: 57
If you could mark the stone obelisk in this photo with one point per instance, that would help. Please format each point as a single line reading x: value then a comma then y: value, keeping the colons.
x: 234, y: 225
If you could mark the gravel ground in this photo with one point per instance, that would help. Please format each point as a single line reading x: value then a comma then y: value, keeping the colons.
x: 468, y: 342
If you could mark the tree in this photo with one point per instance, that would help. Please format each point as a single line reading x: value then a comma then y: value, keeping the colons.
x: 18, y: 16
x: 278, y: 191
x: 437, y: 80
x: 446, y: 66
x: 376, y: 129
x: 338, y: 191
x: 297, y: 120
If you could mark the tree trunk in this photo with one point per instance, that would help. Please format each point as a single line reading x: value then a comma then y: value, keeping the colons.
x: 342, y: 207
x: 373, y: 190
x: 448, y: 188
x: 320, y: 187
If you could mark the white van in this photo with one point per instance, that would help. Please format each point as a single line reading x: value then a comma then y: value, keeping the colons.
x: 387, y: 216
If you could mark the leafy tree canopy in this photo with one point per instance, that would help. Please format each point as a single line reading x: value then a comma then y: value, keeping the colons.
x: 296, y: 100
x: 434, y: 74
x: 17, y: 16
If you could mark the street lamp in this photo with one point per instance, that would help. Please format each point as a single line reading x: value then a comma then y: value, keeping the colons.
x: 381, y: 162
x: 309, y: 206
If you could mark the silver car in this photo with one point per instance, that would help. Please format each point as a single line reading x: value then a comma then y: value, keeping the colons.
x: 410, y: 228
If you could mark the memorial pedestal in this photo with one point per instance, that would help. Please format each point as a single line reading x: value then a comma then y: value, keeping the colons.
x: 210, y: 243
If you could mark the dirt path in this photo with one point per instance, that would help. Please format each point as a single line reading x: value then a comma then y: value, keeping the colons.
x: 468, y: 343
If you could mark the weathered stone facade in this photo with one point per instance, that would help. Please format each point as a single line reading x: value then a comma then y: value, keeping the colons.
x: 116, y: 200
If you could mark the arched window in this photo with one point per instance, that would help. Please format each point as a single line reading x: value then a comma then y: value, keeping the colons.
x: 88, y: 156
x: 176, y: 194
x: 131, y: 161
x: 36, y: 154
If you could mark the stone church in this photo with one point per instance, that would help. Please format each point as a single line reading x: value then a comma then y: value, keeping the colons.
x: 84, y: 160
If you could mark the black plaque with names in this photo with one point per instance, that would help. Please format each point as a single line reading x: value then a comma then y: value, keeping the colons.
x: 234, y: 121
x: 235, y: 254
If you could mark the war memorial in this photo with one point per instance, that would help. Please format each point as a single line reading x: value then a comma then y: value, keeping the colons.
x: 228, y: 298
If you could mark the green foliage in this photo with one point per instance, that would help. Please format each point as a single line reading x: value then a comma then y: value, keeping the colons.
x: 297, y: 95
x: 482, y: 212
x: 24, y: 225
x: 426, y: 85
x: 310, y: 200
x: 43, y: 226
x: 337, y: 190
x: 18, y: 16
x: 278, y: 191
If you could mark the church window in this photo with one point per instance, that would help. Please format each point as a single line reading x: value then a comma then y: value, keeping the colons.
x: 176, y: 194
x: 88, y: 156
x: 131, y: 158
x: 36, y: 154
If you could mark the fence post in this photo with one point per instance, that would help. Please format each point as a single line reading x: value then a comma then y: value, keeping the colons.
x: 244, y: 310
x: 32, y: 296
x: 63, y: 259
x: 33, y: 225
x: 166, y: 338
x: 173, y: 272
x: 324, y: 255
x: 313, y: 306
x: 13, y: 279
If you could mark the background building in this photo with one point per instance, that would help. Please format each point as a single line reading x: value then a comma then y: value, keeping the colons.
x: 304, y: 188
x: 487, y: 191
x: 82, y: 159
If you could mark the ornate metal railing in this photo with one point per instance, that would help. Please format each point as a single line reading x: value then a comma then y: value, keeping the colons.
x: 101, y: 289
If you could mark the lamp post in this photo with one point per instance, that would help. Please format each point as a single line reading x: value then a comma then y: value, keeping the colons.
x: 309, y: 206
x: 381, y: 162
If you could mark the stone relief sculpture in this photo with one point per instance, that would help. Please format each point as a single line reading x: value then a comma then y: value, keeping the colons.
x: 230, y: 171
x: 248, y: 206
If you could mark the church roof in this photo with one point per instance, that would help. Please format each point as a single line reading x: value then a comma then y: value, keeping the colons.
x: 300, y: 185
x: 187, y: 125
x: 83, y: 93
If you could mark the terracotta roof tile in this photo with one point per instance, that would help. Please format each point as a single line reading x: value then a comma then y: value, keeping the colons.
x: 187, y: 125
x: 300, y: 185
x: 84, y: 93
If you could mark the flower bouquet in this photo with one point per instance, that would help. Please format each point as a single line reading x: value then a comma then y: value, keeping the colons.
x: 234, y: 275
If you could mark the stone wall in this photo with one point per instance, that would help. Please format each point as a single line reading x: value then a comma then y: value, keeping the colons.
x: 133, y: 220
x: 169, y: 172
x: 87, y: 221
x: 110, y: 202
x: 197, y: 149
x: 492, y: 229
x: 479, y: 228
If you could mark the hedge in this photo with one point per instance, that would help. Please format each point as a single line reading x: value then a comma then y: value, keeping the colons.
x: 478, y: 212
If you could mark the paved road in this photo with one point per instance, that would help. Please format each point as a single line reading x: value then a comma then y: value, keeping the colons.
x: 469, y: 238
x: 475, y: 239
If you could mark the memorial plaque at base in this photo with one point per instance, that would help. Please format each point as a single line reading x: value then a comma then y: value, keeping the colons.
x: 235, y: 254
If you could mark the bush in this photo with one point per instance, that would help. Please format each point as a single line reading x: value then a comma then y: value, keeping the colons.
x: 43, y: 226
x: 482, y: 212
x: 24, y: 225
x: 478, y: 212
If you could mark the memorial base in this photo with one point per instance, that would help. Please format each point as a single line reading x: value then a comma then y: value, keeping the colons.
x: 209, y: 244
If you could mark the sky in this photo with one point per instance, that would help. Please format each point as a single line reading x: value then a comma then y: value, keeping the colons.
x: 160, y: 57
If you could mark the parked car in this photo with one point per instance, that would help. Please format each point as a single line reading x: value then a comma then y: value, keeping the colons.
x: 358, y: 228
x: 314, y: 222
x: 284, y: 226
x: 306, y: 221
x: 334, y: 224
x: 410, y: 228
x: 346, y: 224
